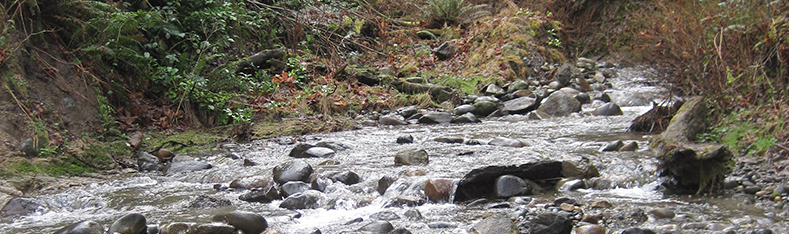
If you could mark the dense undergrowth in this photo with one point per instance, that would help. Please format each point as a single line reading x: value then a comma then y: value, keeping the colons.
x: 173, y: 65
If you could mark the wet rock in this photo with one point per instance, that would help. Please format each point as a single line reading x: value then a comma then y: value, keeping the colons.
x: 413, y: 215
x: 690, y: 120
x: 463, y: 109
x: 599, y: 183
x: 212, y: 228
x: 409, y: 201
x: 392, y: 119
x: 493, y: 90
x: 262, y: 195
x: 29, y: 147
x: 609, y: 109
x: 377, y: 227
x: 186, y: 164
x: 294, y: 187
x: 400, y: 231
x: 412, y: 156
x: 637, y: 231
x: 662, y: 213
x: 753, y: 189
x: 407, y: 111
x: 560, y: 104
x: 466, y: 118
x: 507, y: 186
x: 629, y: 99
x: 249, y: 163
x: 441, y: 225
x: 436, y: 117
x: 385, y: 216
x: 479, y: 183
x: 537, y: 115
x: 248, y: 222
x: 20, y: 206
x: 317, y: 152
x: 176, y: 228
x: 204, y: 201
x: 439, y: 190
x: 570, y: 185
x: 129, y: 224
x: 484, y: 108
x: 147, y: 162
x: 601, y: 204
x: 564, y: 74
x: 251, y: 182
x: 299, y: 149
x: 517, y: 85
x: 564, y: 200
x: 449, y: 139
x: 304, y: 200
x: 384, y: 184
x: 547, y: 223
x: 591, y: 229
x: 292, y: 171
x: 695, y: 226
x: 501, y: 141
x: 320, y: 183
x: 761, y: 231
x: 493, y: 225
x: 521, y: 105
x: 446, y: 50
x: 352, y: 221
x: 84, y: 227
x: 613, y: 146
x: 405, y: 139
x: 630, y: 147
x: 346, y: 177
x: 582, y: 168
x: 693, y: 168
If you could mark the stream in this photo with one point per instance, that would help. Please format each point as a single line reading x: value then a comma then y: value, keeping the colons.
x: 370, y: 154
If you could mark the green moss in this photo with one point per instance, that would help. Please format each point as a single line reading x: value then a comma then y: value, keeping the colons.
x: 101, y: 155
x: 294, y: 127
x: 189, y: 141
x: 24, y: 166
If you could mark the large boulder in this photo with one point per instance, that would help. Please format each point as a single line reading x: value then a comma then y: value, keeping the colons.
x: 480, y: 182
x: 690, y: 120
x: 248, y: 222
x: 84, y: 227
x: 436, y: 117
x: 318, y: 152
x: 292, y: 171
x: 484, y: 108
x: 129, y: 224
x: 521, y: 105
x: 609, y: 109
x: 412, y: 156
x: 20, y: 206
x: 560, y: 104
x: 547, y: 223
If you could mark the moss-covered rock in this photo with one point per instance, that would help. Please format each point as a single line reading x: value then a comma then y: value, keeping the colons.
x: 693, y: 168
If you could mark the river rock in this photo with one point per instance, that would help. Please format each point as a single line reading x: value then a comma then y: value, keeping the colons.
x: 292, y: 171
x: 693, y: 168
x: 176, y: 228
x: 251, y: 182
x: 591, y: 229
x: 400, y: 230
x: 318, y: 152
x: 147, y: 162
x: 601, y: 204
x: 384, y: 184
x: 407, y: 111
x: 412, y: 156
x: 299, y: 149
x: 294, y: 187
x: 547, y: 223
x: 493, y: 90
x: 377, y: 227
x: 346, y: 177
x: 186, y: 164
x: 507, y: 186
x: 560, y: 104
x: 580, y: 169
x: 662, y: 213
x: 436, y: 117
x: 405, y: 139
x: 690, y: 120
x: 630, y: 147
x: 320, y: 183
x: 608, y: 109
x: 463, y: 109
x: 129, y: 224
x: 501, y: 141
x: 517, y: 85
x: 439, y: 190
x: 493, y: 225
x: 466, y: 118
x: 409, y: 201
x: 449, y: 139
x: 484, y: 108
x: 392, y: 119
x: 304, y: 200
x: 204, y: 201
x: 570, y: 185
x: 629, y: 99
x: 637, y: 231
x: 212, y: 228
x: 521, y: 105
x: 446, y: 50
x: 564, y: 74
x: 84, y: 227
x: 413, y: 215
x: 262, y: 195
x: 613, y: 146
x: 20, y: 206
x: 537, y: 115
x: 248, y: 222
x: 385, y: 216
x: 479, y: 183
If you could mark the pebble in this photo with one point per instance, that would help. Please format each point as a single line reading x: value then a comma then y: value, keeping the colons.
x: 662, y: 213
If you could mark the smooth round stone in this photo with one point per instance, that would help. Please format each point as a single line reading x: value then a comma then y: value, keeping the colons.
x: 662, y: 213
x: 129, y: 224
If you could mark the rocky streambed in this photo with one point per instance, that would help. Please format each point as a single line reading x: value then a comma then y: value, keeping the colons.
x: 426, y: 171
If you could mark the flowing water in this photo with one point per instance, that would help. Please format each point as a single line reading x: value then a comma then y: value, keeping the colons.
x: 165, y: 198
